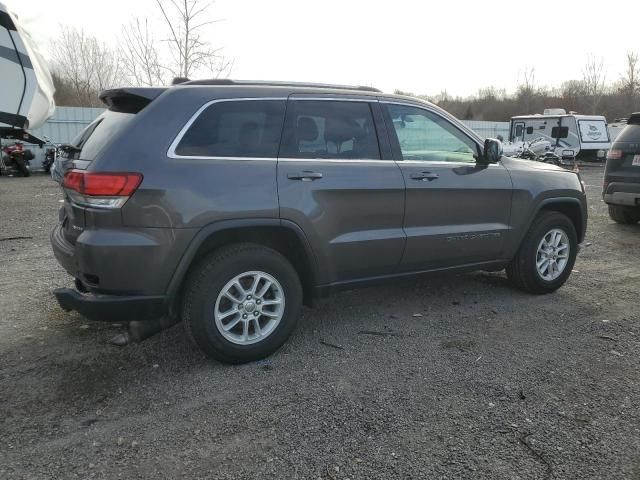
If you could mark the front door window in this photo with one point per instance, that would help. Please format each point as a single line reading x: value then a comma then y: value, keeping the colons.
x: 423, y: 135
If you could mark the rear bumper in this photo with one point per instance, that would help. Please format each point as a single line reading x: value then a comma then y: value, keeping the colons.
x: 619, y: 193
x: 63, y: 251
x: 111, y: 308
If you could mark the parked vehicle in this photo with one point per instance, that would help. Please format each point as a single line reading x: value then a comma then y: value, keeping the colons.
x: 541, y: 150
x: 55, y: 158
x: 16, y: 160
x: 26, y: 96
x: 584, y: 137
x: 230, y: 204
x: 50, y: 155
x: 621, y: 188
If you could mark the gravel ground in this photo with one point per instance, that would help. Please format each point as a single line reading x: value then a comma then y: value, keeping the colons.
x: 463, y: 377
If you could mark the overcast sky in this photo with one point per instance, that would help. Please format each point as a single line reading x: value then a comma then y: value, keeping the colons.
x: 418, y: 46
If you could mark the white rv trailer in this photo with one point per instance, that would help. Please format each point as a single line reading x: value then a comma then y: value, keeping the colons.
x: 586, y: 135
x: 26, y: 93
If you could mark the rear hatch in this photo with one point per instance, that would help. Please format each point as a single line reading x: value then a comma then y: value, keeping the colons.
x: 623, y: 160
x: 78, y: 155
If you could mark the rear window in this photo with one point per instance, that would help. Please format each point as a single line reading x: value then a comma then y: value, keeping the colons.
x: 246, y: 128
x: 93, y: 138
x: 630, y: 134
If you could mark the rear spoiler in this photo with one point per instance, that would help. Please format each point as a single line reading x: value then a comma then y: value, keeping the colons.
x: 129, y: 100
x: 634, y: 119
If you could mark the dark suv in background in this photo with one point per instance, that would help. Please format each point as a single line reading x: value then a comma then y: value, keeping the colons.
x: 230, y: 204
x: 621, y: 189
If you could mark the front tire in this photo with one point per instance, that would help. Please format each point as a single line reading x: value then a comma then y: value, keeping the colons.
x: 546, y: 256
x: 241, y: 303
x: 624, y: 215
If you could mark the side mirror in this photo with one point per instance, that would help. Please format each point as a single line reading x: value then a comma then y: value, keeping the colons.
x: 492, y: 151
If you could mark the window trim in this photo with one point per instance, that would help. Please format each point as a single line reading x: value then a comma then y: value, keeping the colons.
x: 463, y: 129
x: 171, y: 152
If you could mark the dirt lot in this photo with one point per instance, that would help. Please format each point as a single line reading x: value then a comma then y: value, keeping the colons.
x: 464, y: 377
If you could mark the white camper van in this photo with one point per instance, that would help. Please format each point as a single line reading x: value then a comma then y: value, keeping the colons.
x: 586, y: 135
x: 26, y: 92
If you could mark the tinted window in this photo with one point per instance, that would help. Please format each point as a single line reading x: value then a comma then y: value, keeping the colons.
x: 423, y: 135
x: 559, y: 132
x: 630, y: 133
x: 330, y: 129
x: 93, y: 138
x: 247, y: 128
x: 530, y: 130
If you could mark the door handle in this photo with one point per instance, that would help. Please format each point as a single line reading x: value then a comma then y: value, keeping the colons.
x: 424, y: 176
x: 305, y: 176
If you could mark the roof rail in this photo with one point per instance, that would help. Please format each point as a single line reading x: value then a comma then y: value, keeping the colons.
x: 227, y: 81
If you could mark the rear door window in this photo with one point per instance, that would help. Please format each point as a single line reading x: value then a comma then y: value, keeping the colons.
x: 241, y: 128
x: 330, y: 129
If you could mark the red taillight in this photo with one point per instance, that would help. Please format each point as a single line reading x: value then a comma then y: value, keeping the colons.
x: 73, y: 180
x: 101, y: 189
x: 614, y: 154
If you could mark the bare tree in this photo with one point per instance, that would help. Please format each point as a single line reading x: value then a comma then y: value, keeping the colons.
x: 189, y: 49
x: 86, y: 65
x: 593, y: 79
x: 526, y: 90
x: 630, y: 81
x: 527, y: 84
x: 631, y: 76
x: 141, y: 60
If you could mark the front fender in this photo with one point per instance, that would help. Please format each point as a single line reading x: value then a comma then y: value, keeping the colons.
x: 539, y: 187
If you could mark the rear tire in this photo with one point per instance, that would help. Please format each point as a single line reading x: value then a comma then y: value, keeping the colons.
x: 624, y: 215
x: 21, y: 164
x: 239, y: 324
x: 524, y: 270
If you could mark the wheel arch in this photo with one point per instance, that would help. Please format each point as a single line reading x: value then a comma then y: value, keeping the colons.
x: 285, y: 237
x: 569, y: 206
x: 574, y: 208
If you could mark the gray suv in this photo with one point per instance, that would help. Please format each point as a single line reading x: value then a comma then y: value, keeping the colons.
x: 231, y: 204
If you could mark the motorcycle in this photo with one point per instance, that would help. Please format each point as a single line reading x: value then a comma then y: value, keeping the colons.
x: 50, y: 156
x: 15, y: 160
x: 541, y: 150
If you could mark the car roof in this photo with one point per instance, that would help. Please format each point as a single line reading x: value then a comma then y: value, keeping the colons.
x: 122, y: 99
x: 292, y: 88
x: 267, y: 83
